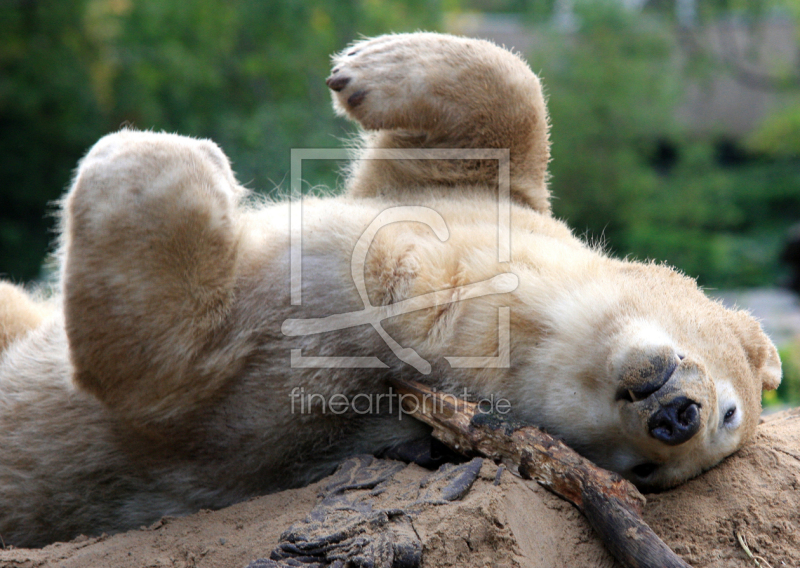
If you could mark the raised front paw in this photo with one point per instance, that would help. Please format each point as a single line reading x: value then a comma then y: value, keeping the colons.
x: 364, y: 76
x: 398, y: 81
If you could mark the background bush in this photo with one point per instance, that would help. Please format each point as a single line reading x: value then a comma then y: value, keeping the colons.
x: 247, y: 73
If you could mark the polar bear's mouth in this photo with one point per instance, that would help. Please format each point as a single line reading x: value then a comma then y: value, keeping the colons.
x: 644, y: 470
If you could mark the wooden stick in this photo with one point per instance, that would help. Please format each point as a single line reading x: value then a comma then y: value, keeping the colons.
x: 611, y: 504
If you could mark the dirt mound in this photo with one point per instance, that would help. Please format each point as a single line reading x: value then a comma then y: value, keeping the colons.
x: 751, y: 500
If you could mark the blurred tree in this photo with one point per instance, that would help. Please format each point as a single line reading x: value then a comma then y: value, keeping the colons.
x: 612, y: 92
x: 627, y: 173
x: 248, y: 74
x: 48, y: 116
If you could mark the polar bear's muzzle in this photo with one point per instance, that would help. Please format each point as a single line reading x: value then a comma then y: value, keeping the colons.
x: 666, y: 390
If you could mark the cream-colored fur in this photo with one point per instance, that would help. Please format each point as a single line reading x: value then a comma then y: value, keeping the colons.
x: 162, y: 383
x: 19, y: 314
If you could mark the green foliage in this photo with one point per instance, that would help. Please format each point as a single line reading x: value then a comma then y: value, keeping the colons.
x: 48, y: 116
x: 247, y: 73
x: 723, y: 225
x: 609, y: 98
x: 250, y: 75
x: 614, y: 88
x: 779, y: 135
x: 789, y: 390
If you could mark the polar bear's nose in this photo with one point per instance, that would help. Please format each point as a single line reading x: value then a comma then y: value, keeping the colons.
x: 676, y: 421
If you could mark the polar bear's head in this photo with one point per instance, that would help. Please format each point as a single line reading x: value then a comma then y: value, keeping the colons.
x: 653, y: 379
x: 687, y: 396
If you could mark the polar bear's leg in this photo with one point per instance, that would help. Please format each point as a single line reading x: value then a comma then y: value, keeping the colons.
x: 149, y: 251
x: 19, y: 313
x: 437, y: 91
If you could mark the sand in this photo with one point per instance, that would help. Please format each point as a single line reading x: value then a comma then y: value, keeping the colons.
x: 753, y: 496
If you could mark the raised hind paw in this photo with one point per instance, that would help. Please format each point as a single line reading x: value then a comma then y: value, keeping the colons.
x: 151, y: 248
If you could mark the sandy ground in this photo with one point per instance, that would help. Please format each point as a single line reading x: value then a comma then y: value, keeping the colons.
x: 754, y: 494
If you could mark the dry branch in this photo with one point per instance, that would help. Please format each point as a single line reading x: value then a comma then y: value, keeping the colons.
x: 611, y: 504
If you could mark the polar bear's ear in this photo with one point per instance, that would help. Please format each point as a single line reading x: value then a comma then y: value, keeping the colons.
x: 760, y: 350
x: 770, y: 370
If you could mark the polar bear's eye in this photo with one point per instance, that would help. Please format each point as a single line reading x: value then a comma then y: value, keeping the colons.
x: 730, y: 414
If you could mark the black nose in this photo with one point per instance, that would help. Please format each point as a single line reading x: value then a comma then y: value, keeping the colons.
x: 675, y: 422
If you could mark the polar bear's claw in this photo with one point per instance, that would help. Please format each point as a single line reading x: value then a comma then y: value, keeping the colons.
x: 337, y: 83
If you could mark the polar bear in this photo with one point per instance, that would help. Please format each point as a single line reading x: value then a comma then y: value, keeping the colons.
x: 202, y: 350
